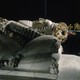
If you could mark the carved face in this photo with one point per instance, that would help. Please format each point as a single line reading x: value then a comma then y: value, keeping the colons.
x: 60, y: 31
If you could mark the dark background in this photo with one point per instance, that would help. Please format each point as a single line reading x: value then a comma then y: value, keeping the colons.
x: 55, y: 10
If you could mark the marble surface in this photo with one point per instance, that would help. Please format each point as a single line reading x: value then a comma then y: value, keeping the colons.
x: 69, y: 67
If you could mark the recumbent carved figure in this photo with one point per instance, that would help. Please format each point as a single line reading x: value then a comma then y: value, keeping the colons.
x: 18, y: 41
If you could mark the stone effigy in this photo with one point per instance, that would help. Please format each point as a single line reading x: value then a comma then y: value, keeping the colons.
x: 24, y: 44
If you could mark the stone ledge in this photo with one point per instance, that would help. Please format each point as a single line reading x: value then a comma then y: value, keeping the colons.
x: 28, y: 74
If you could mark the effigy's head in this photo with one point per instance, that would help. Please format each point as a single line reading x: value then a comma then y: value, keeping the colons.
x: 60, y: 30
